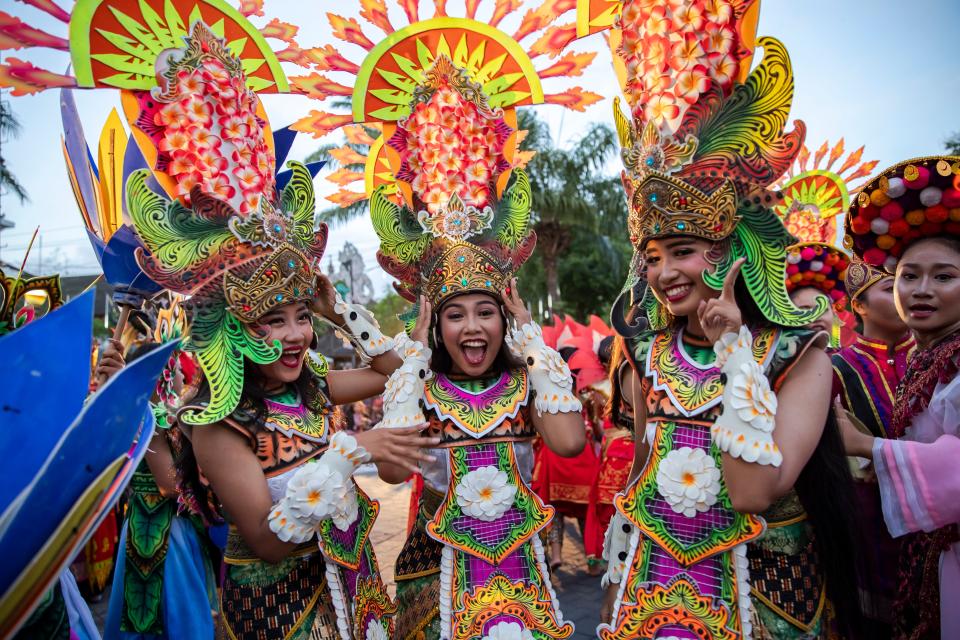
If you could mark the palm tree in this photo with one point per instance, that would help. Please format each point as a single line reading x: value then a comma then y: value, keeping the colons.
x: 9, y: 126
x: 572, y: 195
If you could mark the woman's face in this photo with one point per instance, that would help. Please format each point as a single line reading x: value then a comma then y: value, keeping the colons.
x: 674, y: 272
x: 877, y: 306
x: 806, y: 298
x: 292, y: 325
x: 927, y: 290
x: 471, y: 328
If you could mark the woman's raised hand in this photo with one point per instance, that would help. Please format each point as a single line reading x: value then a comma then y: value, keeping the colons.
x: 324, y: 299
x: 399, y: 447
x: 515, y: 305
x: 421, y: 330
x: 719, y: 316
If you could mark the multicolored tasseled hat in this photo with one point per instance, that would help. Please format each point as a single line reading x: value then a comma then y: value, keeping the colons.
x: 220, y: 225
x: 705, y: 138
x: 448, y: 195
x: 911, y: 200
x: 821, y: 266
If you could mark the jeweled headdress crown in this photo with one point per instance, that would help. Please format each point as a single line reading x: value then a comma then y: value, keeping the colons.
x: 220, y: 225
x: 705, y: 138
x: 437, y: 101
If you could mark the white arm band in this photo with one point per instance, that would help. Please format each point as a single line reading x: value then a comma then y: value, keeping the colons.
x: 616, y: 543
x: 320, y: 490
x: 404, y: 389
x: 362, y: 328
x: 745, y: 428
x: 549, y: 375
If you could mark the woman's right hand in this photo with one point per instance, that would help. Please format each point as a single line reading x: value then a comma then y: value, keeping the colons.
x: 421, y: 330
x: 111, y: 361
x: 399, y: 447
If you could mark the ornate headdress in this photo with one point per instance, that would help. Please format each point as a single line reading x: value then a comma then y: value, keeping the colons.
x: 20, y: 297
x: 861, y: 276
x: 448, y: 195
x: 219, y: 224
x: 705, y: 138
x: 585, y: 342
x: 911, y: 200
x: 815, y: 193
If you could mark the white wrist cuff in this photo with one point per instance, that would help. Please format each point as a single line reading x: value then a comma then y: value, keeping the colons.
x: 549, y: 375
x: 404, y: 389
x: 616, y: 543
x: 745, y: 427
x: 364, y: 331
x: 320, y: 490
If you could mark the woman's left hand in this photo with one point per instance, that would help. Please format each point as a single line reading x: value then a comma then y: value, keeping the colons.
x: 515, y: 305
x: 719, y: 316
x: 324, y: 299
x: 855, y: 442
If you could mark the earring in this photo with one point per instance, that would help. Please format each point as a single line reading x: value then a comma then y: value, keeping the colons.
x: 437, y: 341
x: 314, y: 341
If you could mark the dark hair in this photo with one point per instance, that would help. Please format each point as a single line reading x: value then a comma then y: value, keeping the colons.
x: 140, y: 350
x: 825, y: 488
x: 952, y: 242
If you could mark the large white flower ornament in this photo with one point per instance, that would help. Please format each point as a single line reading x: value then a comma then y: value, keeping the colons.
x: 753, y: 400
x: 508, y: 631
x: 689, y: 480
x: 375, y: 631
x: 485, y: 493
x: 321, y: 492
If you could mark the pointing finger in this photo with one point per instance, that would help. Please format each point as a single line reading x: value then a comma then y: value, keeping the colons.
x: 731, y: 280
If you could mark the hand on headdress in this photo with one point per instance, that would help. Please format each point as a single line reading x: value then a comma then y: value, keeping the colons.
x: 719, y: 316
x: 515, y: 305
x: 324, y: 299
x: 421, y: 330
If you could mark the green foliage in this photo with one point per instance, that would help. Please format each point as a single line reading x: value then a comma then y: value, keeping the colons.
x: 952, y: 144
x: 591, y: 273
x: 10, y: 127
x: 386, y: 310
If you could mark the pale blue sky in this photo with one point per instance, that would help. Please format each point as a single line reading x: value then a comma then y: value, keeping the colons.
x: 881, y: 74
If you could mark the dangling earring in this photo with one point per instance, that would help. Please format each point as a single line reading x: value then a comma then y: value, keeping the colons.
x: 314, y: 341
x: 437, y: 341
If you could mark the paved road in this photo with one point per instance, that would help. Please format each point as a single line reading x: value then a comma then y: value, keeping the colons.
x: 578, y: 592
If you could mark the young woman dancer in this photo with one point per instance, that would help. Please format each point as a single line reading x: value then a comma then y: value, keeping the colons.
x: 730, y: 396
x: 916, y: 463
x: 476, y: 369
x: 261, y: 424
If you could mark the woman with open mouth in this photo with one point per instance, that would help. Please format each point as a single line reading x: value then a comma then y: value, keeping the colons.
x: 919, y: 484
x: 477, y: 372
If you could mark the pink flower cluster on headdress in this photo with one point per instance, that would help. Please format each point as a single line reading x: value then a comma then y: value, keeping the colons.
x: 213, y: 138
x: 448, y: 147
x: 673, y: 50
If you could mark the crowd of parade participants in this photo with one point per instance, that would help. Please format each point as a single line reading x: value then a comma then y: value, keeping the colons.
x: 762, y: 444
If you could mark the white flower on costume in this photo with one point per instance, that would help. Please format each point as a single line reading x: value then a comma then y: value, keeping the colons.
x: 753, y: 400
x: 375, y: 631
x: 689, y: 480
x: 485, y: 493
x: 401, y: 386
x: 508, y: 631
x: 556, y: 368
x: 317, y: 492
